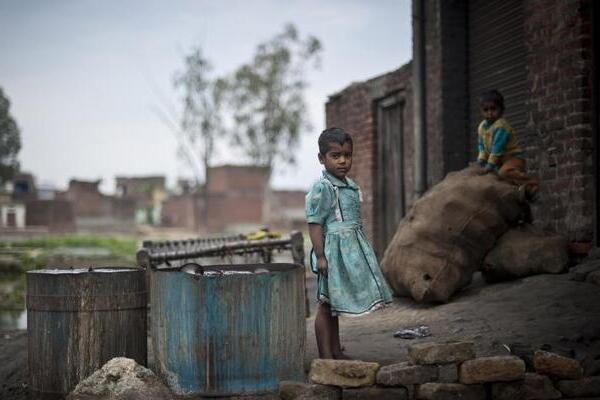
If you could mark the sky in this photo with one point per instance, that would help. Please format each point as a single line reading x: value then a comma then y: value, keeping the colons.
x: 86, y: 78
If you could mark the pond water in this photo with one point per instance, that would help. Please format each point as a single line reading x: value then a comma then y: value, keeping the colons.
x: 12, y: 301
x: 13, y: 319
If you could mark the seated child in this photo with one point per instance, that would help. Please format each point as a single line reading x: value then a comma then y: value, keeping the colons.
x: 498, y: 148
x: 349, y: 279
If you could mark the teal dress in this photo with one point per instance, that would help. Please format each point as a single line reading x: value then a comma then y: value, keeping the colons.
x: 354, y: 284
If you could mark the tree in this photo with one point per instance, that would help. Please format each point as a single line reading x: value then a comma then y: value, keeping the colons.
x: 10, y: 141
x: 201, y: 121
x: 267, y: 94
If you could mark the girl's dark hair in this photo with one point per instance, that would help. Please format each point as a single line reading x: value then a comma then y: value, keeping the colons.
x: 493, y: 96
x: 333, y: 135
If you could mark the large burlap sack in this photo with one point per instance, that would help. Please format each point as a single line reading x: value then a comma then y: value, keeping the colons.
x: 524, y: 251
x: 447, y: 233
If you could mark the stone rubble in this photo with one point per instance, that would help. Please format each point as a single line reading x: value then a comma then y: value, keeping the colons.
x: 557, y: 366
x: 343, y: 373
x: 448, y: 371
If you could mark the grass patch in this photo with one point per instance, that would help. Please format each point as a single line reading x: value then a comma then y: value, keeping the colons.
x: 118, y: 246
x: 58, y: 250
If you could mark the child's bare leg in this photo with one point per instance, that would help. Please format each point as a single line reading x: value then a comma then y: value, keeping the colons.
x: 324, y: 328
x: 513, y: 170
x: 338, y: 354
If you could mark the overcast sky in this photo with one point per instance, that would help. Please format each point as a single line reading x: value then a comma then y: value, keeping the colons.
x: 85, y: 77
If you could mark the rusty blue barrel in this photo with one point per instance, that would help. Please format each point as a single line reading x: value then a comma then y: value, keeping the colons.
x: 228, y: 330
x: 78, y: 319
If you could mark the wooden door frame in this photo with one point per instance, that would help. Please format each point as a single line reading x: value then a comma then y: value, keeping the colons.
x: 391, y: 100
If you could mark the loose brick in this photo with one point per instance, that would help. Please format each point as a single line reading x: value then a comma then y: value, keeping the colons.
x: 492, y: 369
x: 290, y: 390
x: 556, y: 366
x: 533, y: 387
x: 404, y: 374
x: 585, y: 387
x: 343, y: 373
x: 447, y: 373
x: 450, y: 391
x: 440, y: 352
x: 375, y: 393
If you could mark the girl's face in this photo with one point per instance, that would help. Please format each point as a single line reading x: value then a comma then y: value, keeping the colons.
x: 491, y: 111
x: 338, y: 159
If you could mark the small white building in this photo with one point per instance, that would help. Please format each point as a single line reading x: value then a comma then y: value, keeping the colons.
x: 12, y: 215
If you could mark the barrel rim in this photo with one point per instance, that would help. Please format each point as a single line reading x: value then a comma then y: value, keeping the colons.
x: 270, y: 267
x: 82, y: 270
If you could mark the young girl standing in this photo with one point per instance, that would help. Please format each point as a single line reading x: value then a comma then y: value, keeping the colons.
x: 349, y: 279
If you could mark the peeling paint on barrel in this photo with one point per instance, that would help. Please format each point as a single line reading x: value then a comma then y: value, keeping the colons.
x: 222, y: 334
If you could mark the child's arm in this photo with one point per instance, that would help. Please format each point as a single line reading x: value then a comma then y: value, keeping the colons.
x: 315, y: 231
x: 499, y: 141
x: 482, y: 156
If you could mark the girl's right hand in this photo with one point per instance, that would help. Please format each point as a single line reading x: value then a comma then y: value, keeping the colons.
x: 322, y: 265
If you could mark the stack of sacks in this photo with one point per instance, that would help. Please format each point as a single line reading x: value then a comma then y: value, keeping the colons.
x: 448, y: 232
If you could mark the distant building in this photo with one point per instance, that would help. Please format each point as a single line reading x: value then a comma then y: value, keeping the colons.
x: 12, y: 213
x: 237, y: 199
x: 148, y: 194
x: 95, y: 211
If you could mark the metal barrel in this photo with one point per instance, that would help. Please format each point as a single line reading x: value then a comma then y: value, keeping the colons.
x: 78, y: 319
x: 228, y: 330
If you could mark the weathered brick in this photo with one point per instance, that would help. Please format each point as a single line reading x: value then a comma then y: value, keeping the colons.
x: 447, y: 373
x: 449, y: 391
x: 556, y: 366
x: 375, y: 393
x: 343, y: 373
x: 441, y: 352
x: 533, y: 387
x: 585, y: 387
x: 290, y: 390
x: 492, y: 369
x: 404, y: 374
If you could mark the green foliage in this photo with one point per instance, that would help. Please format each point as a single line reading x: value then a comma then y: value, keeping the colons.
x: 122, y: 247
x: 10, y: 141
x: 267, y: 95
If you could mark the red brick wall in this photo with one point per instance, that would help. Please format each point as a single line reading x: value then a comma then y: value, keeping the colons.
x: 182, y: 211
x: 236, y: 196
x: 354, y: 109
x: 57, y: 215
x: 558, y: 139
x: 558, y: 40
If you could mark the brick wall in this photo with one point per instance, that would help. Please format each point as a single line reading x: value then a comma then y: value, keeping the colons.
x: 354, y: 109
x: 560, y: 146
x: 182, y: 211
x: 558, y: 139
x: 57, y: 215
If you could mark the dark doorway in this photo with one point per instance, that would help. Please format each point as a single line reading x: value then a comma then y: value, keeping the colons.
x: 390, y: 160
x: 11, y: 219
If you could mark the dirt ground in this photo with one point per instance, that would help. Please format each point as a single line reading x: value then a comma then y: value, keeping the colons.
x: 544, y: 311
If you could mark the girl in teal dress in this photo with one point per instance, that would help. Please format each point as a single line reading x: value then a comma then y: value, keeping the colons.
x: 349, y: 279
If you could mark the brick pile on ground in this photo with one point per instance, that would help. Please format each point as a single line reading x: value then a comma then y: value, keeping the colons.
x: 447, y: 371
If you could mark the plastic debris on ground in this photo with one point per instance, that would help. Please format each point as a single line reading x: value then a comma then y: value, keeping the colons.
x: 413, y: 333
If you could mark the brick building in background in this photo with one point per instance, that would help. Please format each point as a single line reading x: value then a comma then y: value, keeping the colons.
x: 238, y: 200
x: 540, y: 54
x: 95, y: 211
